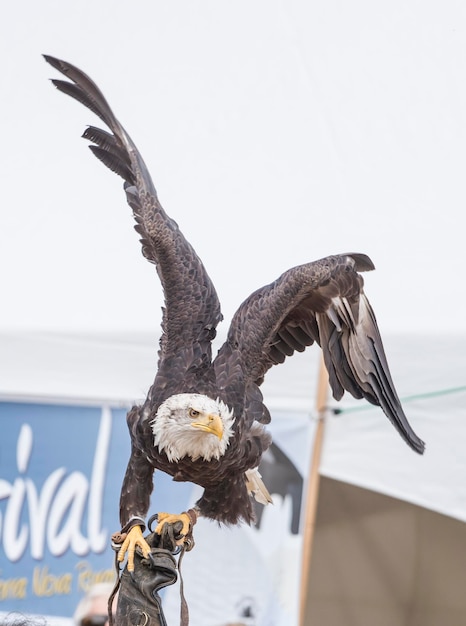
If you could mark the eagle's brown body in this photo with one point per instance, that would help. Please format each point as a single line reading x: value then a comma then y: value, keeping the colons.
x: 322, y: 301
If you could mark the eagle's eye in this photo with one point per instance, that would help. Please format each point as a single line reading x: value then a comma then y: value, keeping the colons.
x: 193, y: 413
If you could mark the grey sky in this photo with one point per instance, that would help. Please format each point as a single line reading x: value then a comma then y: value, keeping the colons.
x: 276, y: 133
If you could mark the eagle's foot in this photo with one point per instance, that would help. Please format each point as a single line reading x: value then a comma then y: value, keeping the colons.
x: 171, y: 518
x: 133, y: 540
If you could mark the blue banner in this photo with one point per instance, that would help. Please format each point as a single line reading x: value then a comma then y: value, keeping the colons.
x: 61, y: 470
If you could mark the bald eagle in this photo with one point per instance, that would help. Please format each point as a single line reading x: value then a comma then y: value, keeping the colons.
x: 204, y: 419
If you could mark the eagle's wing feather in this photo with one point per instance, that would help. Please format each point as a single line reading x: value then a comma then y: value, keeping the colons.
x: 192, y: 309
x: 321, y: 302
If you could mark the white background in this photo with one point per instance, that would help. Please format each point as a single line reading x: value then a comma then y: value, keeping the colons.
x: 276, y: 133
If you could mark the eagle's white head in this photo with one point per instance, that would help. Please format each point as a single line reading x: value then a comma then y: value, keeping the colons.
x: 194, y: 425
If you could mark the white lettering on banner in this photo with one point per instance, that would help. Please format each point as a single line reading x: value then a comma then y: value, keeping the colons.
x: 15, y: 539
x: 71, y: 497
x: 39, y: 508
x: 98, y: 537
x: 55, y: 513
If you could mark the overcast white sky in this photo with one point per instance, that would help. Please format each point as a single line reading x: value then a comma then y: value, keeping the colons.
x: 277, y: 132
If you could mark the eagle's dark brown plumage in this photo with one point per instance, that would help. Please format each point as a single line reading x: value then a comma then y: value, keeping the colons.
x: 322, y: 301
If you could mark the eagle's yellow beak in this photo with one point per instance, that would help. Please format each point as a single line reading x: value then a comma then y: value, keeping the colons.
x: 209, y: 423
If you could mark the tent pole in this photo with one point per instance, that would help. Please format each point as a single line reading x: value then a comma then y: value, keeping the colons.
x: 313, y: 487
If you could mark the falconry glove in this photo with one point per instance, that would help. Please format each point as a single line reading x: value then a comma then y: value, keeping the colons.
x: 139, y: 602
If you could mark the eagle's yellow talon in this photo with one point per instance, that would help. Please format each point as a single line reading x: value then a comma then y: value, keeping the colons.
x: 133, y: 539
x: 170, y: 518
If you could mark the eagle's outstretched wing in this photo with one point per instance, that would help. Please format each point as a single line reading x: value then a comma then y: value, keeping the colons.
x: 192, y: 309
x: 321, y: 302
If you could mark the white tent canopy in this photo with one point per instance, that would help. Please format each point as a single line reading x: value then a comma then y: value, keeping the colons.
x: 361, y: 446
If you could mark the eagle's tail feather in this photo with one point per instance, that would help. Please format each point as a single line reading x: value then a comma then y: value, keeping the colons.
x: 256, y: 487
